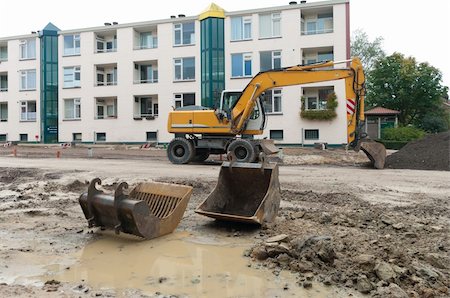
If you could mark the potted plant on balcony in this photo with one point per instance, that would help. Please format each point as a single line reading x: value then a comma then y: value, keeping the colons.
x: 326, y: 114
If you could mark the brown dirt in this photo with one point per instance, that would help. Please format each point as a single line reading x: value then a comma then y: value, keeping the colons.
x: 429, y: 153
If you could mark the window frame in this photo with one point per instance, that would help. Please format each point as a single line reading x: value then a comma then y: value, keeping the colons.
x: 97, y: 136
x: 180, y: 27
x: 151, y: 139
x: 4, y: 89
x: 153, y: 103
x: 24, y: 77
x: 75, y: 50
x: 28, y: 115
x: 276, y: 138
x: 4, y: 111
x: 106, y: 108
x: 73, y: 83
x: 245, y: 57
x: 310, y: 138
x: 273, y: 19
x: 179, y: 97
x: 273, y: 57
x: 279, y: 95
x: 181, y: 64
x: 4, y: 57
x: 25, y: 48
x: 243, y: 20
x: 76, y: 108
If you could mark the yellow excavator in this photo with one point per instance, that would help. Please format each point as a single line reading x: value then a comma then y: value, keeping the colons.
x: 201, y: 131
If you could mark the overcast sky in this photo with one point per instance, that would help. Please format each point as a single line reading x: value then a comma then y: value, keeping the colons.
x: 415, y: 28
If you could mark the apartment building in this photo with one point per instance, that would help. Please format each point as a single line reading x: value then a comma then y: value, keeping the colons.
x: 118, y: 82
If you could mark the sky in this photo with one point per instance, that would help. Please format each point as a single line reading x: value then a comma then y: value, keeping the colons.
x: 415, y: 28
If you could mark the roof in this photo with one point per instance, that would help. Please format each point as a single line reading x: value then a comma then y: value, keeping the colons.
x: 381, y: 111
x: 212, y: 11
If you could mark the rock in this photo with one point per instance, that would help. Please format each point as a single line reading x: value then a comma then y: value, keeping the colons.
x: 366, y: 262
x: 195, y: 281
x: 307, y: 284
x: 278, y: 238
x: 325, y: 218
x: 436, y: 228
x: 363, y: 284
x: 392, y: 291
x: 426, y: 272
x: 437, y: 260
x: 320, y: 247
x: 301, y: 266
x: 386, y: 220
x: 309, y: 275
x: 399, y: 270
x: 398, y: 226
x: 384, y: 271
x: 410, y: 235
x: 298, y: 214
x: 284, y: 259
x: 259, y: 253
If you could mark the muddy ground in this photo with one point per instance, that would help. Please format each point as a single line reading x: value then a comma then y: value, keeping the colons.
x: 341, y: 224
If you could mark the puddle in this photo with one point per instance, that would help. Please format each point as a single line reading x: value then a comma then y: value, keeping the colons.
x: 178, y: 264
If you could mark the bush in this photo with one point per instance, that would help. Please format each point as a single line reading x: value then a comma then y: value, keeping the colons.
x: 435, y: 122
x: 394, y: 145
x: 327, y: 114
x: 402, y: 134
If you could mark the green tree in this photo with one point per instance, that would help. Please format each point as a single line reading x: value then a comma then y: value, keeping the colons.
x: 414, y: 89
x: 368, y: 51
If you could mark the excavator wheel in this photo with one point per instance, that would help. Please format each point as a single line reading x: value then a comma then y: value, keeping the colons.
x: 180, y: 151
x: 243, y: 150
x: 201, y: 155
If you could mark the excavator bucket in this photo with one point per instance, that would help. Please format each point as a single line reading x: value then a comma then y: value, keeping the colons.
x: 150, y: 210
x: 376, y: 152
x: 245, y: 192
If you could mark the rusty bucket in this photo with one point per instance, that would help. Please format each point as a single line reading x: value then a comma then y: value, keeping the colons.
x: 245, y: 192
x: 150, y: 210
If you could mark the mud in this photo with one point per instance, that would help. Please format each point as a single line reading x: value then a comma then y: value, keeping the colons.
x: 429, y: 153
x: 348, y: 230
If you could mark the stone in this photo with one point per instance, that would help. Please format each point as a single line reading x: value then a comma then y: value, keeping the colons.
x: 398, y: 226
x: 426, y: 272
x: 386, y: 220
x: 384, y: 271
x: 307, y: 284
x: 392, y: 291
x: 278, y: 238
x: 284, y: 259
x: 366, y: 261
x: 363, y: 284
x: 437, y: 260
x: 259, y: 253
x: 410, y: 235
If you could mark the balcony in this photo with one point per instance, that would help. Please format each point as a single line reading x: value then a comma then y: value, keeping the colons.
x: 145, y: 106
x: 317, y: 21
x: 106, y: 41
x: 316, y: 97
x: 145, y: 72
x: 106, y: 107
x: 317, y: 55
x: 145, y: 38
x: 106, y: 74
x: 3, y: 81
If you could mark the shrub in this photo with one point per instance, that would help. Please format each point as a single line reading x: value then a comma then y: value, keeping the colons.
x: 403, y: 134
x: 327, y: 114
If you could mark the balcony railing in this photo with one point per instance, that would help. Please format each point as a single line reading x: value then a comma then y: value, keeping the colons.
x: 30, y: 116
x: 145, y: 81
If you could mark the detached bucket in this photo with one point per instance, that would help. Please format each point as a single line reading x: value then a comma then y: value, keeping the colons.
x: 245, y: 192
x: 150, y: 210
x: 376, y: 152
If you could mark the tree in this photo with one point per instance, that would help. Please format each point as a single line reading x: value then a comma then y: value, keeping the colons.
x: 412, y: 88
x: 368, y: 51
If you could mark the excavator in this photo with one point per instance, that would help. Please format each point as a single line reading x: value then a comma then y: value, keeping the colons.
x: 248, y: 188
x: 201, y: 131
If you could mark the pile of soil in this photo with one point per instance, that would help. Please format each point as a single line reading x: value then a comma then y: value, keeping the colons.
x: 429, y: 153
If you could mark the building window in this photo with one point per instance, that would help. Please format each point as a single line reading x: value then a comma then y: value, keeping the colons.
x: 3, y: 137
x: 3, y: 53
x: 184, y: 99
x: 272, y: 101
x: 28, y: 110
x: 71, y: 44
x: 72, y: 77
x: 270, y: 25
x: 106, y: 44
x: 241, y: 65
x: 3, y: 82
x: 100, y: 136
x: 276, y: 134
x: 148, y: 106
x: 317, y: 24
x: 3, y: 111
x: 106, y: 107
x: 311, y: 134
x: 28, y: 79
x: 316, y: 99
x: 184, y: 34
x: 184, y: 69
x: 106, y: 76
x: 76, y: 137
x: 146, y: 73
x: 241, y: 28
x: 152, y: 136
x: 321, y: 56
x: 28, y: 49
x: 72, y: 108
x: 23, y: 137
x: 147, y: 40
x: 270, y: 60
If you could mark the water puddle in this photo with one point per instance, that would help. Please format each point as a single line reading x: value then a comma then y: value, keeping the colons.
x: 178, y: 264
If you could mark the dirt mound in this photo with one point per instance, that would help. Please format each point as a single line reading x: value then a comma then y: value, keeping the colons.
x: 429, y: 153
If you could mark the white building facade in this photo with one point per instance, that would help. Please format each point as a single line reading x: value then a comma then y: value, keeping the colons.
x: 117, y: 83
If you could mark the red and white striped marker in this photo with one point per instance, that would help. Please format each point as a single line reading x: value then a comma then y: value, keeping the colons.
x: 350, y: 106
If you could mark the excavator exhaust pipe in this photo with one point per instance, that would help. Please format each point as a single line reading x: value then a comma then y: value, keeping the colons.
x: 150, y: 210
x: 245, y: 192
x: 375, y: 151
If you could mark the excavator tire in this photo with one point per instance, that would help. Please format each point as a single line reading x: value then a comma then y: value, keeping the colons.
x: 180, y: 151
x: 201, y: 155
x: 243, y: 150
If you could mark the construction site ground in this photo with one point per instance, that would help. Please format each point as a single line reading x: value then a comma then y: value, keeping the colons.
x: 343, y: 230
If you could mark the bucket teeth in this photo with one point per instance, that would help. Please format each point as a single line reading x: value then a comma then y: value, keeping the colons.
x: 150, y: 210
